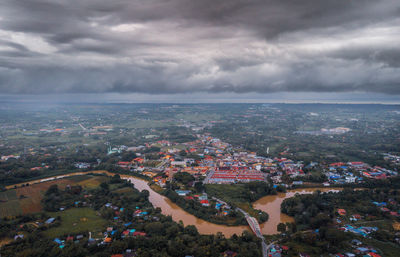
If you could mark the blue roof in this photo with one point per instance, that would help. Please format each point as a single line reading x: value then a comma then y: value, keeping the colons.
x: 49, y: 220
x: 379, y: 204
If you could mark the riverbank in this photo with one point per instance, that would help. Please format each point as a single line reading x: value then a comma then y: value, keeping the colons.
x: 270, y: 203
x: 207, y: 213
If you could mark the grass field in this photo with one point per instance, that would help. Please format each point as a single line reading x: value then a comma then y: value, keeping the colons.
x: 198, y: 117
x: 8, y: 195
x: 33, y: 195
x: 148, y: 124
x: 9, y: 204
x: 92, y: 181
x: 381, y: 224
x: 233, y: 193
x: 79, y: 178
x: 24, y: 200
x: 76, y: 220
x: 388, y: 249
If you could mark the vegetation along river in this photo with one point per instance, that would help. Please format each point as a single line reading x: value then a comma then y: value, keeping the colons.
x: 270, y: 204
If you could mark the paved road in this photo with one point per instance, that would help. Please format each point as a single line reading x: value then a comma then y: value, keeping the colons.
x: 267, y: 247
x: 219, y: 200
x: 82, y: 126
x: 253, y: 223
x: 209, y: 175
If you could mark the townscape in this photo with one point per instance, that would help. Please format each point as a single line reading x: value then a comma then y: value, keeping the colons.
x: 200, y: 180
x: 181, y: 128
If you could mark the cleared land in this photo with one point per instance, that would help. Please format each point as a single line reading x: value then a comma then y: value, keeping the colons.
x: 9, y: 204
x: 76, y: 220
x: 231, y: 193
x: 24, y: 200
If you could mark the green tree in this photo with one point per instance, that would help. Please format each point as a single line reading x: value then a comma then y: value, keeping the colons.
x: 281, y: 227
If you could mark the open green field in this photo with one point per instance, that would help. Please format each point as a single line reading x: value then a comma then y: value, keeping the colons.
x: 76, y: 220
x: 92, y: 181
x: 9, y: 204
x: 234, y: 194
x: 388, y: 249
x: 8, y: 195
x: 230, y: 193
x: 25, y: 200
x: 199, y: 117
x: 381, y: 224
x: 79, y: 178
x: 148, y: 124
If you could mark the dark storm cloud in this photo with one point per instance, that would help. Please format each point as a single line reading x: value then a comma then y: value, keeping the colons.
x: 388, y: 55
x: 180, y: 46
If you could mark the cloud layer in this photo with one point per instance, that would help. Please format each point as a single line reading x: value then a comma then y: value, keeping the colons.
x: 183, y: 46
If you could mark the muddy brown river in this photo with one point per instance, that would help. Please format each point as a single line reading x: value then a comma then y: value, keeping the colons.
x: 271, y: 204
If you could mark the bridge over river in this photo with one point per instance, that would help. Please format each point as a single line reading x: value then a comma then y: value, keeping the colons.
x: 255, y: 227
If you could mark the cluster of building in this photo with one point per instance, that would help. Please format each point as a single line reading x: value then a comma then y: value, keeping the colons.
x: 247, y: 167
x: 116, y: 149
x: 82, y: 165
x: 362, y: 231
x: 355, y: 172
x: 325, y: 131
x: 75, y: 239
x: 277, y: 250
x: 220, y: 163
x: 394, y: 159
x: 214, y: 159
x: 7, y: 157
x: 107, y: 236
x: 96, y: 130
x: 203, y: 198
x: 359, y: 249
x: 233, y: 174
x: 58, y: 130
x: 385, y: 207
x: 338, y: 130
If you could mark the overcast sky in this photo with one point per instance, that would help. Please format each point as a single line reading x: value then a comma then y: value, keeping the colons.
x: 202, y: 47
